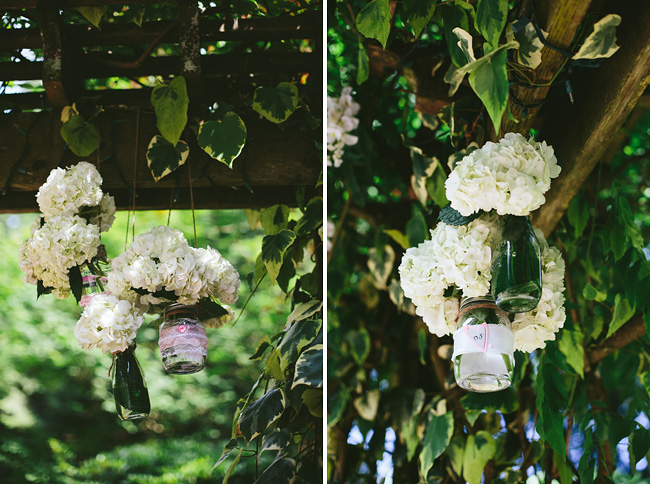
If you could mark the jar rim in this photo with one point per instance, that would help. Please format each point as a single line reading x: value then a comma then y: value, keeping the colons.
x: 177, y: 307
x: 465, y: 301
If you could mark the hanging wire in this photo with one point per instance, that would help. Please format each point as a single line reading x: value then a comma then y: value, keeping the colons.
x: 171, y: 202
x: 189, y: 172
x: 135, y: 166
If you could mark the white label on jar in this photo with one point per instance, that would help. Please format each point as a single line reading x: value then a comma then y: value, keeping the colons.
x: 483, y: 338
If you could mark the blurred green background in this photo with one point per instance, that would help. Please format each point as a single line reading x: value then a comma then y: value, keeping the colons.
x: 57, y: 413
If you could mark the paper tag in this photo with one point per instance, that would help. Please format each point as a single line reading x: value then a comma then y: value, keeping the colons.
x: 483, y: 338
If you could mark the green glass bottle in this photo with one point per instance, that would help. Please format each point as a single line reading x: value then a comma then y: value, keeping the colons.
x: 129, y: 386
x: 516, y: 267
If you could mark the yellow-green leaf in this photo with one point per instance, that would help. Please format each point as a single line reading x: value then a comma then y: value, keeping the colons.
x: 170, y: 102
x: 276, y: 103
x: 223, y: 139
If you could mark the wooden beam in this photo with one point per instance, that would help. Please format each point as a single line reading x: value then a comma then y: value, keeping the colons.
x: 20, y: 4
x: 274, y: 161
x: 189, y: 45
x: 304, y: 26
x: 605, y: 97
x: 93, y: 67
x: 561, y: 19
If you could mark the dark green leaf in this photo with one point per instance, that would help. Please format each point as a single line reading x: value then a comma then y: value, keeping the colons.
x: 570, y: 345
x: 163, y: 157
x: 286, y: 274
x: 81, y: 136
x: 313, y: 400
x: 312, y: 218
x: 296, y: 338
x: 232, y: 466
x: 490, y: 83
x: 359, y: 342
x: 451, y: 216
x: 363, y: 65
x: 227, y: 450
x: 373, y: 21
x: 309, y: 368
x: 257, y: 417
x: 76, y: 282
x: 94, y: 15
x: 590, y: 293
x: 41, y: 289
x: 454, y: 16
x: 504, y: 401
x: 275, y: 218
x: 224, y: 139
x: 436, y: 439
x: 622, y: 314
x: 170, y: 102
x: 578, y: 213
x: 273, y: 251
x: 337, y: 408
x: 551, y: 400
x: 587, y: 464
x: 639, y: 446
x: 422, y: 345
x: 491, y: 18
x: 418, y: 13
x: 262, y: 346
x: 276, y: 440
x: 276, y: 104
x: 282, y: 471
x: 305, y: 310
x: 416, y: 228
x: 436, y: 187
x: 479, y: 449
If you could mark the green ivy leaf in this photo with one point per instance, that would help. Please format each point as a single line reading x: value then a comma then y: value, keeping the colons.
x: 601, y: 43
x: 163, y: 157
x: 490, y: 83
x: 359, y: 342
x: 260, y: 269
x: 94, y: 15
x: 451, y: 216
x: 570, y: 345
x: 224, y: 139
x: 587, y: 464
x: 212, y: 313
x: 309, y: 368
x: 578, y: 213
x: 398, y: 237
x: 312, y: 218
x: 261, y: 414
x: 363, y: 65
x: 81, y: 136
x: 295, y: 339
x: 622, y: 314
x: 276, y: 440
x: 436, y: 439
x: 76, y: 282
x: 273, y: 251
x: 410, y: 429
x: 253, y: 217
x: 479, y: 449
x: 313, y: 400
x: 380, y: 265
x: 276, y: 104
x: 137, y: 14
x: 639, y: 446
x: 337, y: 408
x: 262, y: 346
x: 423, y: 168
x: 551, y: 399
x: 282, y: 471
x: 367, y: 405
x: 170, y: 102
x: 491, y: 18
x: 41, y: 289
x: 453, y: 16
x: 305, y: 310
x: 232, y: 466
x: 422, y: 345
x: 373, y: 22
x: 530, y: 46
x: 227, y: 450
x: 272, y: 366
x: 590, y: 293
x: 504, y: 401
x: 416, y: 228
x: 275, y: 218
x: 436, y: 187
x: 418, y: 13
x: 456, y: 453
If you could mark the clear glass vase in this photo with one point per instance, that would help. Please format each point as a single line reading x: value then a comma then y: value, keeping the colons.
x: 516, y: 267
x: 483, y: 346
x: 182, y: 339
x: 129, y: 386
x: 94, y: 276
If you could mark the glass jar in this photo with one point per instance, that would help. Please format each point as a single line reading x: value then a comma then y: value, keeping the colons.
x: 483, y: 346
x: 182, y: 339
x: 94, y: 276
x: 129, y: 386
x: 516, y: 267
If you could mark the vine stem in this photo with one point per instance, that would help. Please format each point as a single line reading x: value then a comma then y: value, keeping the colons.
x: 249, y: 298
x: 339, y: 226
x: 189, y: 172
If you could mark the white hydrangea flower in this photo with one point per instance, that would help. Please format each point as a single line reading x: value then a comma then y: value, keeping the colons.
x: 67, y: 190
x: 108, y: 323
x: 106, y: 215
x: 61, y: 243
x: 510, y: 176
x: 341, y: 120
x: 162, y: 260
x: 533, y: 329
x: 457, y: 256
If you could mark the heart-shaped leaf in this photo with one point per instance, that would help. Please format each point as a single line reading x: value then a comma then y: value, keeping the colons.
x: 256, y: 418
x: 276, y: 103
x: 223, y: 140
x: 163, y: 157
x: 81, y: 137
x: 170, y: 102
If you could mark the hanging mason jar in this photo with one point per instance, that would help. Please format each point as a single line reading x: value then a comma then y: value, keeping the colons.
x: 516, y: 267
x: 483, y: 346
x: 129, y: 386
x: 183, y: 342
x: 94, y: 276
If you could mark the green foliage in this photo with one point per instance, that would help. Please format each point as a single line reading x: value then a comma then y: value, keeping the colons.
x: 163, y: 157
x: 601, y: 43
x: 491, y: 18
x: 170, y: 102
x: 223, y: 139
x: 276, y: 104
x: 80, y: 135
x: 373, y: 21
x: 94, y: 15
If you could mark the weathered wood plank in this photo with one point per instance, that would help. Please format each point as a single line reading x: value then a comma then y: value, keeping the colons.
x: 272, y: 158
x: 304, y: 26
x: 607, y: 95
x: 561, y: 19
x: 20, y: 4
x: 92, y: 67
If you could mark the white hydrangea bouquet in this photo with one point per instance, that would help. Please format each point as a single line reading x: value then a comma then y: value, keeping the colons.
x: 505, y: 178
x: 341, y: 120
x: 67, y: 234
x: 158, y: 269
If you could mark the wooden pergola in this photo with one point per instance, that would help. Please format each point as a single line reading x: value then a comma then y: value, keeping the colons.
x: 274, y: 162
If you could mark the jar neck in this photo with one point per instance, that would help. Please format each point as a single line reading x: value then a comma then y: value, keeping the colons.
x: 176, y: 311
x: 484, y: 302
